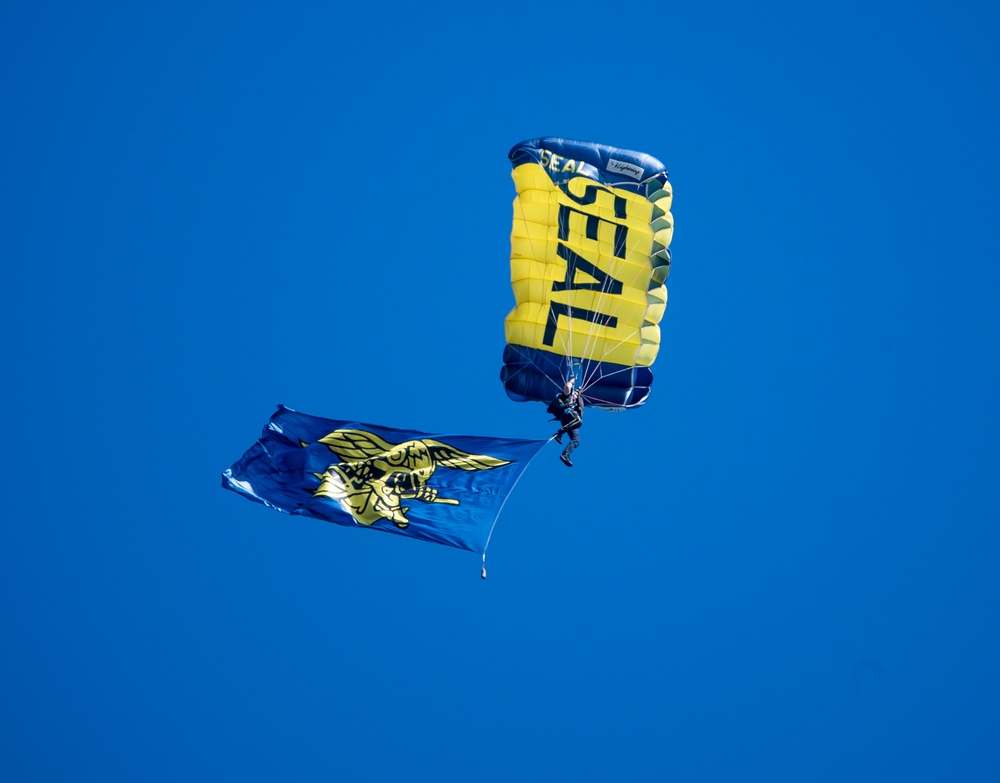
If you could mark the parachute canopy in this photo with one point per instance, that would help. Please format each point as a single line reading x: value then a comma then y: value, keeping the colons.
x: 589, y: 258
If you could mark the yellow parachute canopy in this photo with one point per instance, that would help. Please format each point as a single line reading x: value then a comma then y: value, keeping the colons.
x: 589, y: 257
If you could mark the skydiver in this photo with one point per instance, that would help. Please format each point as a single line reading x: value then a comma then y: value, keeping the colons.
x: 568, y: 407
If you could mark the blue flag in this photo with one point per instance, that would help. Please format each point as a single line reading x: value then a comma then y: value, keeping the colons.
x: 443, y: 488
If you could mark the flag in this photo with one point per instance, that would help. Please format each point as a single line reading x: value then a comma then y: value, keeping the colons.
x: 448, y: 489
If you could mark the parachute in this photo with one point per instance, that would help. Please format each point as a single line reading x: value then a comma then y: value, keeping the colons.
x: 589, y: 258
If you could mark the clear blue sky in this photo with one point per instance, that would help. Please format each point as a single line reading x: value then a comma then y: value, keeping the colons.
x: 782, y: 568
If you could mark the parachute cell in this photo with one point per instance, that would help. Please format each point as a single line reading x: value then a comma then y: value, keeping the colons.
x: 589, y: 258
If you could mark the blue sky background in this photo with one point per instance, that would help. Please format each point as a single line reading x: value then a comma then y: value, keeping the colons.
x: 782, y: 568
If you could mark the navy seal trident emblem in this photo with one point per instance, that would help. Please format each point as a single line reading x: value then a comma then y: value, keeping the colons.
x: 374, y: 476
